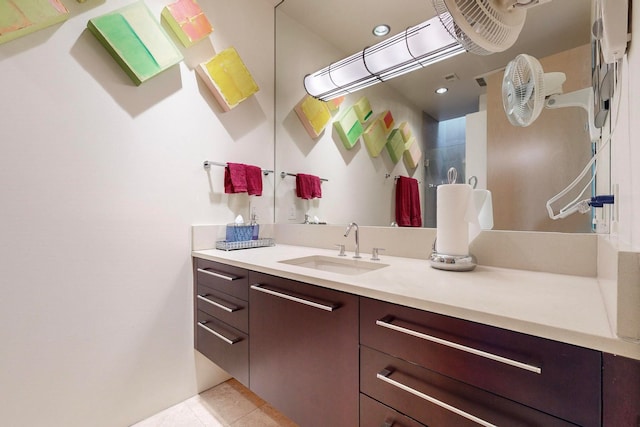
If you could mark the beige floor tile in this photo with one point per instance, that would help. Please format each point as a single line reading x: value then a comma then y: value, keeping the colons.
x: 176, y: 416
x: 265, y: 416
x: 225, y: 403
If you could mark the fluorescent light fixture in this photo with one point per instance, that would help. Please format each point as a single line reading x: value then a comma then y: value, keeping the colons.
x: 414, y: 48
x: 381, y: 30
x: 442, y: 90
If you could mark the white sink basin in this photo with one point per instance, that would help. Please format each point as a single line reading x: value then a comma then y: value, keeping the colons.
x: 335, y: 264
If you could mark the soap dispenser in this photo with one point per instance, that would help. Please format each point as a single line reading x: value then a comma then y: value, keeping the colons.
x: 255, y: 227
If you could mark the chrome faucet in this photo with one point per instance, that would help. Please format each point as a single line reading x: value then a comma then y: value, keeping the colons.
x: 349, y: 227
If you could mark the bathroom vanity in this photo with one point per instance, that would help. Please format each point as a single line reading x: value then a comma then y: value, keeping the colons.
x: 407, y: 345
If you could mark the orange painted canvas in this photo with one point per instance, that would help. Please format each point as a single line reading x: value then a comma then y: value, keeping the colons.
x: 188, y: 21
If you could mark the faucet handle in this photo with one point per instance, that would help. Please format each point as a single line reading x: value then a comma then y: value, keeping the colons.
x: 374, y: 254
x: 341, y: 246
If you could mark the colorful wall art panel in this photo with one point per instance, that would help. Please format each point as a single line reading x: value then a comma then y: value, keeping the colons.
x: 228, y: 78
x: 21, y: 17
x: 387, y: 120
x: 349, y: 128
x: 314, y: 115
x: 188, y: 21
x: 412, y: 153
x: 405, y: 130
x: 395, y: 145
x: 375, y: 137
x: 334, y: 104
x: 136, y: 41
x: 363, y: 109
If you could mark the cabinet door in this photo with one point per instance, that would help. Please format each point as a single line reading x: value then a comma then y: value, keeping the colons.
x: 304, y: 350
x: 621, y: 391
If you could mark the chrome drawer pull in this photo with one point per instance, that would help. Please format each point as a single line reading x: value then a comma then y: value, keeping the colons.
x: 222, y: 337
x: 384, y: 376
x: 217, y: 304
x: 218, y: 275
x: 325, y: 307
x: 461, y: 347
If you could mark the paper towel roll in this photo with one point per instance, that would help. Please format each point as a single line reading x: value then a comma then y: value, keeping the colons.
x: 454, y: 203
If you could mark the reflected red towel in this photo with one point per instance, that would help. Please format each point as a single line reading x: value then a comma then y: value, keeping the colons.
x: 235, y: 178
x: 254, y: 180
x: 408, y: 212
x: 308, y: 186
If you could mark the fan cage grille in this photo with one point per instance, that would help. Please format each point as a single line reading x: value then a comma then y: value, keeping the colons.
x: 523, y: 90
x: 481, y: 26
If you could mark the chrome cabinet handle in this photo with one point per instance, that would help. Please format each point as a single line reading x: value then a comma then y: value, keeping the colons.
x: 325, y: 307
x: 219, y: 335
x: 495, y: 357
x: 388, y: 424
x: 218, y: 275
x: 384, y: 376
x: 217, y: 304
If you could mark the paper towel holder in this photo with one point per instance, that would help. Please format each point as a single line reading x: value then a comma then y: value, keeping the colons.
x: 451, y: 262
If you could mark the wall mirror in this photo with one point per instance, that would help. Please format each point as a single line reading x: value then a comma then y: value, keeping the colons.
x: 465, y: 128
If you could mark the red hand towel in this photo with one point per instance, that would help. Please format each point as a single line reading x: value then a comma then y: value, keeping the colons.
x: 408, y: 213
x: 235, y: 178
x: 308, y: 186
x: 254, y: 180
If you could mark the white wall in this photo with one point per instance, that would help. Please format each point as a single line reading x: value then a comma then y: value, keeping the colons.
x: 625, y: 165
x: 357, y: 189
x: 100, y: 182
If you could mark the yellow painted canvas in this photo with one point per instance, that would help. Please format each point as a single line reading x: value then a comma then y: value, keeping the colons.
x: 228, y: 78
x: 375, y: 137
x: 188, y: 21
x: 21, y: 17
x: 412, y: 153
x: 314, y: 115
x: 405, y: 130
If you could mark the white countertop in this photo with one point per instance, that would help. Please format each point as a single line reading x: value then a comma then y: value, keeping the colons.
x: 561, y: 307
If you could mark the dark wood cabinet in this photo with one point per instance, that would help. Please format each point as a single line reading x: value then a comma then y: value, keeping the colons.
x: 328, y: 358
x: 221, y: 328
x: 552, y: 377
x: 304, y: 350
x: 621, y: 391
x: 437, y: 400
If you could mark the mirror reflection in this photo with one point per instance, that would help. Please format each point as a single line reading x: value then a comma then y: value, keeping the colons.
x: 465, y: 128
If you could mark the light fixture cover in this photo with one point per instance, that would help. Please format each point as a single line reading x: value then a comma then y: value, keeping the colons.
x: 414, y: 48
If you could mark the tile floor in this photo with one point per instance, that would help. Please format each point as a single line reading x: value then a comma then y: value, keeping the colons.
x: 229, y: 404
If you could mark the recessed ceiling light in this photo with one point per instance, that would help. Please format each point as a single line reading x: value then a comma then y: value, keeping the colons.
x: 442, y: 90
x: 381, y: 30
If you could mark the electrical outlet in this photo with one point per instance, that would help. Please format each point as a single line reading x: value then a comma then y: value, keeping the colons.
x: 292, y: 212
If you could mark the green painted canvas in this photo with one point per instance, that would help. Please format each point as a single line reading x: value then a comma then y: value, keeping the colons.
x: 395, y: 145
x: 136, y: 41
x: 349, y: 128
x: 21, y: 17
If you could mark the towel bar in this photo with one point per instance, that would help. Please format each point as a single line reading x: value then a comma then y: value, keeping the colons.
x: 207, y: 165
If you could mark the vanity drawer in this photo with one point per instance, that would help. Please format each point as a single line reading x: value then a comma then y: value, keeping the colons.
x: 436, y: 400
x: 374, y: 413
x: 227, y: 347
x: 557, y: 378
x: 224, y: 278
x: 231, y: 310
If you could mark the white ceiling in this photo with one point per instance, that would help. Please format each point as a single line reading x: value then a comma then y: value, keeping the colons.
x: 347, y: 24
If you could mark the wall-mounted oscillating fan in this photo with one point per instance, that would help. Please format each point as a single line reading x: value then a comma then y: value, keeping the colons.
x: 484, y: 27
x: 527, y: 89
